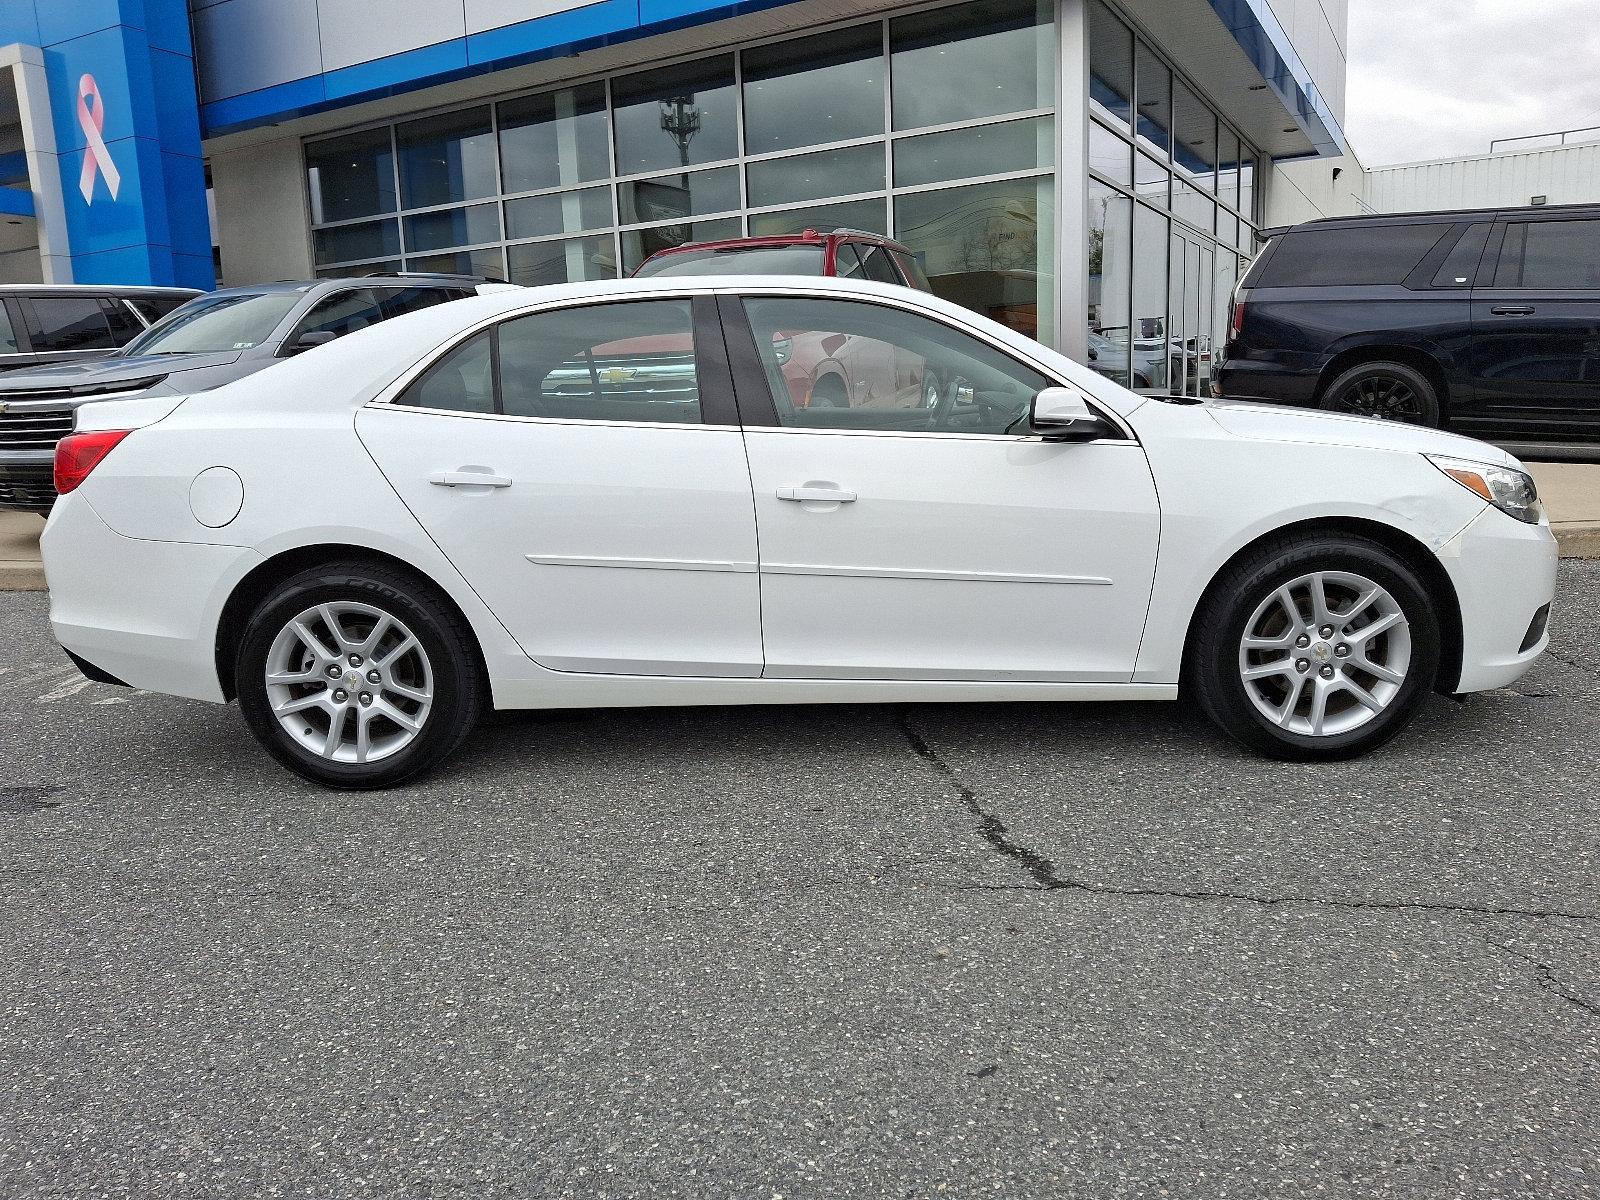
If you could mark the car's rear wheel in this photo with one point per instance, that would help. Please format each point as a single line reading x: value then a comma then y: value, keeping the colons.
x: 357, y: 676
x: 1315, y: 648
x: 829, y: 392
x: 1388, y: 391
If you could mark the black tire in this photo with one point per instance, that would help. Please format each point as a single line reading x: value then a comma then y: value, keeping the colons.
x: 1390, y: 391
x: 458, y: 685
x: 1212, y: 671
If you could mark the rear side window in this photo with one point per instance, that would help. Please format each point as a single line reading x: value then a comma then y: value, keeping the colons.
x: 8, y: 335
x: 62, y: 323
x: 1554, y: 255
x: 1363, y: 254
x: 1461, y: 264
x: 124, y: 325
x: 399, y: 301
x: 912, y: 270
x: 461, y: 381
x: 153, y: 309
x: 875, y: 261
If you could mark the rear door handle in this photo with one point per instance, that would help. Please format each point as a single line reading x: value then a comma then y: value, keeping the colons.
x: 820, y: 494
x: 1512, y: 310
x: 468, y: 479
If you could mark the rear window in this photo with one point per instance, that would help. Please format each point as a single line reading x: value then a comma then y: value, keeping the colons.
x: 1363, y: 254
x: 738, y: 260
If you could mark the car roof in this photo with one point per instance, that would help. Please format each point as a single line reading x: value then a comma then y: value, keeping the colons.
x: 307, y: 286
x: 93, y: 289
x: 808, y: 237
x: 1377, y: 220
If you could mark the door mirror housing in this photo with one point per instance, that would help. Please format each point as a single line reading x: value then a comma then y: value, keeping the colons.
x: 1060, y: 414
x: 310, y: 338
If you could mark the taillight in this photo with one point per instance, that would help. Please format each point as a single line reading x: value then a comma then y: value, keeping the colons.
x: 79, y: 453
x: 1236, y: 326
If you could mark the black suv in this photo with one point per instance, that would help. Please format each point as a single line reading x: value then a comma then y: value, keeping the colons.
x: 1487, y: 321
x: 47, y: 323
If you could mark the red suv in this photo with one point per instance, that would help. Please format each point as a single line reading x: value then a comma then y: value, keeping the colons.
x: 848, y: 253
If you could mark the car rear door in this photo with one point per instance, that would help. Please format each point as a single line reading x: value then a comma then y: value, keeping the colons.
x: 583, y: 468
x: 1535, y: 351
x: 941, y: 542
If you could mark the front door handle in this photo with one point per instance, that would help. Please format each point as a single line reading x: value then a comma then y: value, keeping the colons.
x: 825, y: 495
x: 468, y: 479
x: 1512, y: 310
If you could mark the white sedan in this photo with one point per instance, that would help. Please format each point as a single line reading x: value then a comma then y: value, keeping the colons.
x: 745, y: 491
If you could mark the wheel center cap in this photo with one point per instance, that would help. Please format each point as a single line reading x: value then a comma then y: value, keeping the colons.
x: 352, y: 679
x: 1322, y: 652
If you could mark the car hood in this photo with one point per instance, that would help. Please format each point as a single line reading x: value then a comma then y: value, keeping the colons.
x: 1274, y: 423
x: 107, y: 372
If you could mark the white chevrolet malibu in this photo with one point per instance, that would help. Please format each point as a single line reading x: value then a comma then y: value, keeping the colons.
x: 770, y: 491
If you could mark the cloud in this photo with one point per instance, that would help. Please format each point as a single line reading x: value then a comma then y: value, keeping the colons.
x: 1442, y: 78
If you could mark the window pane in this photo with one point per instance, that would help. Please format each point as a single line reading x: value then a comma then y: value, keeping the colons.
x: 958, y: 64
x: 1110, y: 244
x: 486, y: 263
x: 1194, y: 139
x: 1561, y: 254
x: 446, y: 159
x: 1110, y: 64
x: 75, y: 323
x: 1227, y: 167
x: 675, y: 116
x: 1150, y: 179
x: 1190, y: 204
x: 1150, y: 295
x: 554, y: 139
x: 570, y: 261
x: 1461, y: 264
x: 377, y: 266
x: 453, y: 227
x: 559, y: 212
x: 351, y: 176
x: 1247, y: 182
x: 461, y: 381
x: 640, y: 244
x: 1109, y: 155
x: 825, y: 218
x: 1343, y: 254
x: 611, y: 362
x: 875, y: 263
x: 986, y: 150
x: 987, y: 247
x: 344, y: 243
x: 816, y: 176
x: 1155, y: 100
x: 841, y: 364
x: 397, y: 302
x: 124, y: 325
x: 827, y: 88
x: 342, y: 313
x: 668, y: 197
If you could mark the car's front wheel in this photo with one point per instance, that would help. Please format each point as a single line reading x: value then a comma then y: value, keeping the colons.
x: 357, y: 676
x: 1315, y: 648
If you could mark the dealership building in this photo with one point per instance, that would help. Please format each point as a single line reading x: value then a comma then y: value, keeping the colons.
x: 1090, y: 171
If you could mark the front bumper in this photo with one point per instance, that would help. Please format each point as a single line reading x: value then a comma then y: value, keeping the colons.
x: 27, y: 480
x: 1504, y: 573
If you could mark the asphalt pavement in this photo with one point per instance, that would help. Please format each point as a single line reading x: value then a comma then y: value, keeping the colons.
x: 1017, y: 950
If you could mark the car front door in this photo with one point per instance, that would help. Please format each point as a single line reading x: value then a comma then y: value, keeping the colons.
x: 938, y: 542
x: 1535, y: 350
x: 583, y: 469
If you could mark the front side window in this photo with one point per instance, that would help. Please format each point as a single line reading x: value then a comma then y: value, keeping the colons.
x: 343, y: 312
x: 1553, y: 255
x: 70, y: 323
x: 841, y: 364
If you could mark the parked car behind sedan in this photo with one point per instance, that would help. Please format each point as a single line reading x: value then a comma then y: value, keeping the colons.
x: 210, y: 340
x: 480, y: 505
x: 1485, y: 321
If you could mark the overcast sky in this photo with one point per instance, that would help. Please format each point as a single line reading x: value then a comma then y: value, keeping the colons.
x: 1440, y: 78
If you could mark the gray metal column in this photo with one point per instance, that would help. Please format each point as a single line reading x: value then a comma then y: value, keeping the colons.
x: 1072, y: 178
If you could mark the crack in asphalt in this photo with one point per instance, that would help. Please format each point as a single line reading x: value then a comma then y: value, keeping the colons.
x: 1047, y: 878
x: 1545, y: 977
x: 1582, y: 667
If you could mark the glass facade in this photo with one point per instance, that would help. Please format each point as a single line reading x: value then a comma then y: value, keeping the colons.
x: 1171, y: 216
x: 936, y: 126
x: 876, y: 126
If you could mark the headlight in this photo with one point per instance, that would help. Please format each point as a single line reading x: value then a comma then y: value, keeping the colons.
x: 1508, y: 489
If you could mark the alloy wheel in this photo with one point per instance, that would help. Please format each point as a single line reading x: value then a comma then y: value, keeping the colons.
x: 1325, y: 653
x: 1380, y: 396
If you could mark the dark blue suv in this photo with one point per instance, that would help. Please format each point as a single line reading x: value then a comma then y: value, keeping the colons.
x: 1485, y: 321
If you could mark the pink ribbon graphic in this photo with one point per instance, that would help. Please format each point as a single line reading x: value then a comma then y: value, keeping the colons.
x: 96, y: 158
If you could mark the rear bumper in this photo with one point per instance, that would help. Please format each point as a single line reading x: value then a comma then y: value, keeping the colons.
x: 1504, y: 573
x: 114, y: 603
x: 27, y: 480
x: 1245, y: 379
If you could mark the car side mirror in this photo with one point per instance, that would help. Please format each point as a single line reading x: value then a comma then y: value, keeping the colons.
x: 1060, y: 414
x: 311, y: 338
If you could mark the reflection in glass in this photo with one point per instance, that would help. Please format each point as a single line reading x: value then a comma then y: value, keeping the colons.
x: 986, y: 150
x: 640, y: 244
x: 569, y: 261
x: 351, y: 176
x: 1227, y: 166
x: 446, y: 159
x: 1190, y: 204
x: 453, y: 227
x: 554, y: 139
x: 816, y: 176
x: 488, y: 262
x: 855, y: 214
x: 988, y: 247
x: 1110, y: 244
x: 559, y: 212
x: 1155, y: 100
x: 1150, y: 179
x: 675, y: 116
x: 671, y: 196
x: 1110, y: 64
x: 1194, y: 136
x: 1247, y: 182
x: 1109, y: 155
x: 971, y: 61
x: 1150, y: 294
x: 827, y: 88
x: 347, y: 243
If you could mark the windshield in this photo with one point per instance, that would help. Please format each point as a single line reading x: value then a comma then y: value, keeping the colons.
x: 212, y: 324
x: 738, y: 260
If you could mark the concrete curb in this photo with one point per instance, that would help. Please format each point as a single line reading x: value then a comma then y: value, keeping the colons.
x: 21, y: 577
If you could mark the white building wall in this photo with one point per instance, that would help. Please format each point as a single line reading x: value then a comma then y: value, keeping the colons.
x: 1319, y: 30
x: 1562, y: 174
x: 1310, y: 188
x: 262, y: 219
